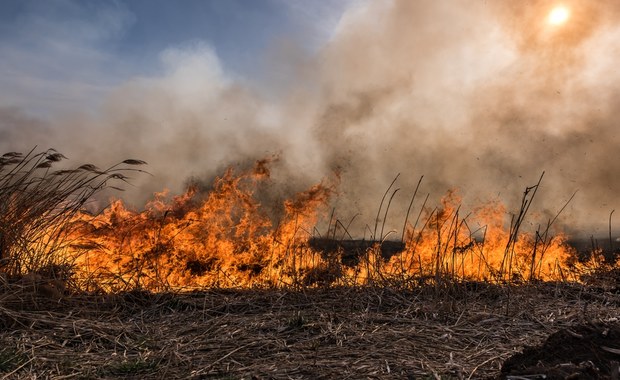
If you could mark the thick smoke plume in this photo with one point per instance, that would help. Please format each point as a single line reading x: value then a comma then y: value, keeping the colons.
x: 482, y: 96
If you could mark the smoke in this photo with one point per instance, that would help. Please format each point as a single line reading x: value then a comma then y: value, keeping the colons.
x: 478, y: 96
x: 481, y: 96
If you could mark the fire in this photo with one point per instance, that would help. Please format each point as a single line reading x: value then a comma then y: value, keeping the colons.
x: 223, y: 238
x: 227, y: 238
x: 448, y: 247
x: 558, y: 15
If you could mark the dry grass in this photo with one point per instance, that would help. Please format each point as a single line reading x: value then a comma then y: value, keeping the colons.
x: 462, y: 332
x: 38, y: 204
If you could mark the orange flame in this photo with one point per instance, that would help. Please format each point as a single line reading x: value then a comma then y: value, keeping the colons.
x: 225, y: 238
x: 447, y: 246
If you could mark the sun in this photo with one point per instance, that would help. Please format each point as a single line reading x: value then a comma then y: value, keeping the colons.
x: 558, y: 15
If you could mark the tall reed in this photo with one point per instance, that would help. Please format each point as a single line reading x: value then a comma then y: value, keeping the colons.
x: 38, y: 204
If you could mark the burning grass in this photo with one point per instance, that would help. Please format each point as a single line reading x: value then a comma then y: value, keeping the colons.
x: 38, y: 206
x: 225, y: 236
x: 211, y: 284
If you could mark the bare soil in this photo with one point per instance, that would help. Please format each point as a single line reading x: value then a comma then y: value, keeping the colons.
x: 455, y: 331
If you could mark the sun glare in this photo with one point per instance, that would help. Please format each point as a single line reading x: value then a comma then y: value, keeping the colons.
x: 558, y: 15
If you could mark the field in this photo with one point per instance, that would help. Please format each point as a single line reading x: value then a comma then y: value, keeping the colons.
x: 209, y: 285
x: 466, y: 331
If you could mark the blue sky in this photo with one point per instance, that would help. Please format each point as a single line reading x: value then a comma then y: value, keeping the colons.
x: 57, y: 52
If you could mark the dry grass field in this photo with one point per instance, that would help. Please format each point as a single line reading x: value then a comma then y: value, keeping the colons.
x: 207, y: 285
x: 464, y: 331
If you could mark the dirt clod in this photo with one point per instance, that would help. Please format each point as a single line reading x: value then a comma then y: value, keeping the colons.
x: 588, y: 351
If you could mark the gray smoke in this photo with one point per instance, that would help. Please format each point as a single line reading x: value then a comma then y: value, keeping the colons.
x: 479, y: 96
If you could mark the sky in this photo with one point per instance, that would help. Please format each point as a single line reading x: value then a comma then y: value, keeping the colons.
x: 477, y: 96
x: 63, y: 51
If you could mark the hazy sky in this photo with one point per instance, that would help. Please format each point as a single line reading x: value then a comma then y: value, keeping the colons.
x: 479, y: 96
